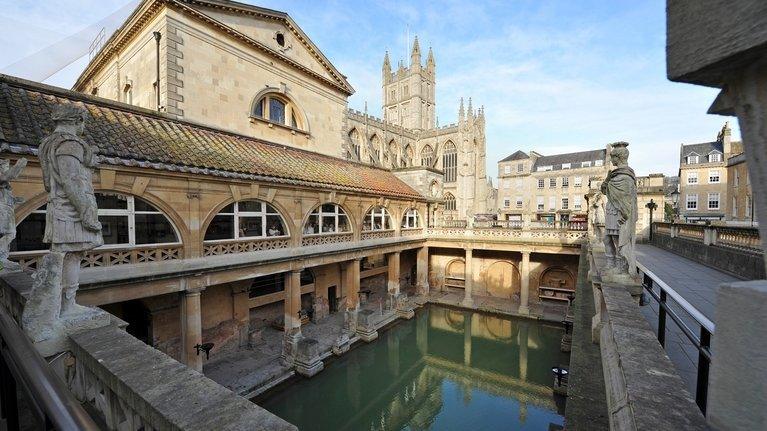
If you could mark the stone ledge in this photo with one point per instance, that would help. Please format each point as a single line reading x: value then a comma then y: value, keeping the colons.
x: 164, y: 393
x: 643, y: 388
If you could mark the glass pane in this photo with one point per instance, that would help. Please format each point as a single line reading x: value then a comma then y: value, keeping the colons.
x: 274, y: 226
x: 328, y: 208
x: 222, y: 227
x: 141, y: 205
x: 111, y: 201
x: 306, y: 277
x: 251, y: 226
x: 114, y: 229
x: 29, y: 234
x: 248, y: 206
x: 368, y: 224
x: 270, y: 209
x: 229, y: 209
x: 387, y: 222
x: 259, y: 109
x: 312, y: 225
x: 154, y: 229
x: 265, y: 285
x: 343, y: 224
x: 276, y: 111
x: 328, y: 224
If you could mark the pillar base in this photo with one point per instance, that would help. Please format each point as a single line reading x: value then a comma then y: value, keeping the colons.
x: 366, y: 328
x: 523, y: 310
x: 467, y: 302
x: 342, y: 345
x: 566, y: 344
x: 290, y: 346
x: 307, y: 360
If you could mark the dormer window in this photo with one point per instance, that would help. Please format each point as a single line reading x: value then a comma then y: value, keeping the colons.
x: 565, y: 165
x: 586, y: 164
x: 715, y: 157
x: 598, y: 162
x: 693, y: 159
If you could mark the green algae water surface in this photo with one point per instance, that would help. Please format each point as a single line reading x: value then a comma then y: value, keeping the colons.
x: 445, y: 369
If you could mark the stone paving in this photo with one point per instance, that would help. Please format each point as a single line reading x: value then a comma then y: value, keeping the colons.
x: 698, y: 285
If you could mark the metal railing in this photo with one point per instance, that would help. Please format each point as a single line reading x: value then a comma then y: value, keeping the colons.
x: 21, y: 367
x: 702, y: 341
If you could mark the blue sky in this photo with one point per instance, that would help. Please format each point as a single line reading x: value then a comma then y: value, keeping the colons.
x: 554, y: 76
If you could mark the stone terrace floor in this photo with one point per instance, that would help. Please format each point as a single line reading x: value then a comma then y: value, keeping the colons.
x: 698, y: 285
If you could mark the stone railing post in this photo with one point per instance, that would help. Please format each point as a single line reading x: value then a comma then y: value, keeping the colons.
x: 709, y: 235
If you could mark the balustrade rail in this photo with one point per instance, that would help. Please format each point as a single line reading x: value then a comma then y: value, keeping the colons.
x: 701, y: 341
x: 108, y: 256
x: 214, y: 248
x: 24, y: 371
x: 736, y: 237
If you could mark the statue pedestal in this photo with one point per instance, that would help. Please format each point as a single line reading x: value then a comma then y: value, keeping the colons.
x: 56, y: 340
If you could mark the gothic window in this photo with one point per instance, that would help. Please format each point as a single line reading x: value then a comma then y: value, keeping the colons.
x: 126, y: 221
x: 377, y: 219
x: 450, y: 162
x: 408, y: 156
x: 277, y: 109
x: 246, y: 219
x: 327, y: 218
x: 411, y: 220
x: 427, y: 156
x: 354, y: 141
x: 393, y: 154
x: 375, y: 143
x: 449, y: 202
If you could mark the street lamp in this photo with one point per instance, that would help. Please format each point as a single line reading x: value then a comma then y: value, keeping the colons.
x: 675, y: 201
x: 652, y: 206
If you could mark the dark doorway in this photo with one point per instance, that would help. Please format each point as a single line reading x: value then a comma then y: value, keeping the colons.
x: 332, y: 300
x: 139, y: 320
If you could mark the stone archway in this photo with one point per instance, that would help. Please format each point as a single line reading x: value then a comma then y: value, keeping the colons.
x: 558, y: 277
x: 502, y: 279
x: 455, y: 269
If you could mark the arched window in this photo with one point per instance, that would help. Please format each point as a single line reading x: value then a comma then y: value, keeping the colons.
x: 246, y: 219
x: 377, y: 219
x: 278, y: 109
x: 407, y: 156
x: 450, y: 162
x: 411, y: 219
x: 327, y: 218
x: 449, y: 202
x: 427, y: 156
x: 126, y: 221
x: 375, y: 143
x: 354, y: 141
x: 394, y: 152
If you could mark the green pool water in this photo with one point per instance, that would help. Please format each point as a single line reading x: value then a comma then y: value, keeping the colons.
x: 445, y: 369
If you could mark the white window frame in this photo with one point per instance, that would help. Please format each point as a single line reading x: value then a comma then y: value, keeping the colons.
x: 552, y: 182
x: 552, y: 203
x: 714, y: 157
x: 544, y: 168
x: 566, y: 165
x: 520, y: 167
x: 541, y: 183
x: 691, y: 176
x: 691, y: 198
x: 519, y: 202
x: 336, y: 214
x: 411, y: 219
x: 577, y: 205
x: 692, y: 159
x: 718, y: 200
x: 506, y: 202
x: 565, y: 182
x: 507, y: 169
x: 381, y: 215
x: 586, y: 164
x: 131, y: 213
x: 599, y: 162
x: 540, y: 203
x: 578, y: 181
x: 565, y: 203
x: 236, y: 213
x: 714, y: 179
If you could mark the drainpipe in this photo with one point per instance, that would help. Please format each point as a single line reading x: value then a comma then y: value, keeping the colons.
x: 157, y: 37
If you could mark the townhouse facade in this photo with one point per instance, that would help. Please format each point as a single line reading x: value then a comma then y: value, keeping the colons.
x: 740, y: 205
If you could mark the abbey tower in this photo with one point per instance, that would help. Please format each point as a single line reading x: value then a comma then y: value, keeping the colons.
x: 408, y: 92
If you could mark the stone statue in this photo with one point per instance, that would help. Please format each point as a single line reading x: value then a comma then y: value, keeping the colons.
x: 71, y: 227
x: 7, y: 207
x: 597, y: 205
x: 620, y: 214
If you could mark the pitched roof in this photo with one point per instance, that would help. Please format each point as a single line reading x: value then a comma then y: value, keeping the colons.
x: 701, y: 149
x: 127, y: 135
x: 518, y: 155
x: 143, y: 13
x: 556, y: 160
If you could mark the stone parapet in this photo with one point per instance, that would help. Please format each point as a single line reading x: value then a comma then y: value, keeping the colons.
x: 643, y: 389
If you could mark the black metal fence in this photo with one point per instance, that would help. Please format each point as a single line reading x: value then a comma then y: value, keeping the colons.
x: 661, y: 292
x: 28, y: 384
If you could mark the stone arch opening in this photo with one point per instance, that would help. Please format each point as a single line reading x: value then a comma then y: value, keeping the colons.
x: 502, y: 280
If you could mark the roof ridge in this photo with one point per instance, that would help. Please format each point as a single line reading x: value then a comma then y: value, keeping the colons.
x: 13, y: 81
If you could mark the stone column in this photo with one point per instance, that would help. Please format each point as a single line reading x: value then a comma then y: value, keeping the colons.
x: 393, y: 276
x: 191, y: 328
x: 422, y: 271
x: 468, y: 276
x: 292, y: 301
x: 467, y: 338
x: 241, y: 309
x: 351, y: 280
x: 524, y: 290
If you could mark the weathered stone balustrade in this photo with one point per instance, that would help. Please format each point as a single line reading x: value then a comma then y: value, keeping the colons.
x: 214, y: 248
x: 742, y: 238
x: 109, y: 256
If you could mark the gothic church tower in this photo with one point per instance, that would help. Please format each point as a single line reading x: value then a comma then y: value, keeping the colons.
x: 408, y: 92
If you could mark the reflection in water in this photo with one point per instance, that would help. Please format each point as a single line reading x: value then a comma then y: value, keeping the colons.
x: 443, y: 370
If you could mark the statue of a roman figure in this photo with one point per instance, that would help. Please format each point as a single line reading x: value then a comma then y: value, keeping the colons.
x: 620, y: 213
x: 72, y: 225
x: 7, y: 210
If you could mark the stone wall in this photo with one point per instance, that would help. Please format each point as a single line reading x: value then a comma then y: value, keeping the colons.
x: 742, y: 264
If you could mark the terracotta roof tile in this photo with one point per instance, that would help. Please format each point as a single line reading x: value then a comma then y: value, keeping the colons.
x: 126, y: 132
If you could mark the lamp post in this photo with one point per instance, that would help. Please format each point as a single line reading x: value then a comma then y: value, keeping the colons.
x: 652, y: 206
x: 675, y: 201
